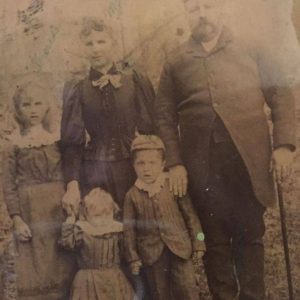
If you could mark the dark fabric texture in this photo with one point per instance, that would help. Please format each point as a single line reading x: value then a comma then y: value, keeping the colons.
x: 231, y: 84
x: 29, y: 166
x: 110, y: 116
x: 150, y: 224
x: 93, y: 252
x: 232, y: 220
x: 171, y: 278
x: 100, y: 275
x: 33, y: 188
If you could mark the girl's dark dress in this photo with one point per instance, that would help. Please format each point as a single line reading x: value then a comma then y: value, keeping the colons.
x: 33, y: 188
x: 100, y: 276
x: 110, y: 116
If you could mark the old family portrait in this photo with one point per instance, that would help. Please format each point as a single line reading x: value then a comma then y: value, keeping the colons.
x: 147, y: 170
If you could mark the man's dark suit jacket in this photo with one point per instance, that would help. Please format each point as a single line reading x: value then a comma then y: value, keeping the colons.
x: 233, y: 82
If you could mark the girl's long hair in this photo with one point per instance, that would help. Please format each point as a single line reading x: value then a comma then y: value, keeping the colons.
x: 48, y: 122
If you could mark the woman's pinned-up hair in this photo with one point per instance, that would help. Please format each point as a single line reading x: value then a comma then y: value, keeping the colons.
x: 90, y: 24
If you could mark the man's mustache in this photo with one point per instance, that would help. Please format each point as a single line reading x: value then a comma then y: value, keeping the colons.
x: 202, y: 22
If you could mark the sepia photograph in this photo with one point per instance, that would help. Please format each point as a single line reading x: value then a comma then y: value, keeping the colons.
x: 149, y: 150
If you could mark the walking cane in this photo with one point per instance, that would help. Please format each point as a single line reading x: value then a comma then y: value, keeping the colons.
x: 285, y: 241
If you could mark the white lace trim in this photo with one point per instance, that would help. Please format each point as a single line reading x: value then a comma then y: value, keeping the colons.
x: 36, y: 137
x: 152, y: 188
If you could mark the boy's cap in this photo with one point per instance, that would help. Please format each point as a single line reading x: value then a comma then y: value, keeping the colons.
x: 147, y: 142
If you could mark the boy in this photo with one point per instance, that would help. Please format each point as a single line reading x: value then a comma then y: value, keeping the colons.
x: 161, y: 230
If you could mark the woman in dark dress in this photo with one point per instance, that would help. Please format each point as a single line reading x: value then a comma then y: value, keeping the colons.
x: 101, y: 115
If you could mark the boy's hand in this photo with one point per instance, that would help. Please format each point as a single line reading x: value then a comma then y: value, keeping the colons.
x: 135, y: 267
x: 22, y: 230
x: 197, y: 255
x: 178, y: 180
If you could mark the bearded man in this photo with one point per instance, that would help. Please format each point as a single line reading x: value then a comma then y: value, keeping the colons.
x: 210, y: 114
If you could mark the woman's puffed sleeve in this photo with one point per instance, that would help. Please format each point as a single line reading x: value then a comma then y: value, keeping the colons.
x: 145, y: 97
x: 72, y: 131
x: 10, y: 187
x: 71, y: 236
x: 121, y: 246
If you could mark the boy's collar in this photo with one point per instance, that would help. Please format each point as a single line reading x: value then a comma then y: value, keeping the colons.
x: 152, y: 188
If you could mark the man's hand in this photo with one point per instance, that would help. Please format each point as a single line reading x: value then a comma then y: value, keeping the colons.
x: 178, y: 180
x: 22, y: 230
x: 71, y: 199
x: 282, y: 160
x: 135, y: 267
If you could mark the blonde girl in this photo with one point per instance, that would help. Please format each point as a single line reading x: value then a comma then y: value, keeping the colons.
x: 33, y: 190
